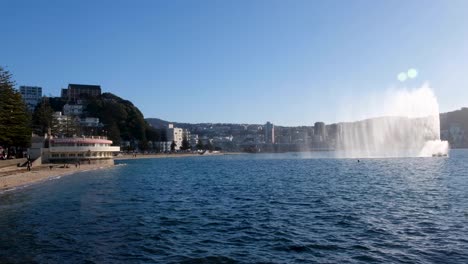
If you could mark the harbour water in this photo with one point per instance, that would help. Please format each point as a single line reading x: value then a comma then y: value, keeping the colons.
x: 278, y: 208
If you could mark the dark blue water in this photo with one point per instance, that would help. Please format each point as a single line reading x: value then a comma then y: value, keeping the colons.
x: 244, y: 209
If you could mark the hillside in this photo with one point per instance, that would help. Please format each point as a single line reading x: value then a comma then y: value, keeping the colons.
x: 454, y: 127
x: 157, y: 123
x: 121, y: 119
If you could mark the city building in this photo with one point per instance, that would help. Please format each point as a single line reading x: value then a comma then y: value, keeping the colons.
x: 89, y: 150
x: 64, y: 124
x: 174, y: 134
x: 193, y: 140
x: 269, y: 133
x: 72, y: 109
x: 320, y: 132
x: 75, y: 92
x: 32, y: 95
x: 90, y: 122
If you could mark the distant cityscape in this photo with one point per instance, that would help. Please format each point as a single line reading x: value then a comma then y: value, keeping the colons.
x: 174, y: 136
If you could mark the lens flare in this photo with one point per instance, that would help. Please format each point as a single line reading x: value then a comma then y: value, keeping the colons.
x: 412, y: 73
x: 402, y: 76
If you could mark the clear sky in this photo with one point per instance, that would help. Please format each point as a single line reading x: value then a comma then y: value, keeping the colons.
x: 289, y: 62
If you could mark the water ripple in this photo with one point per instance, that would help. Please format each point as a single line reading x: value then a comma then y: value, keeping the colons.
x: 244, y: 209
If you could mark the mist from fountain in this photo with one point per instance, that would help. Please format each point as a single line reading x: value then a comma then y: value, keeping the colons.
x: 410, y: 127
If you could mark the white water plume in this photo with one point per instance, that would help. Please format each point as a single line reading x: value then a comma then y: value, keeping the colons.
x: 409, y: 127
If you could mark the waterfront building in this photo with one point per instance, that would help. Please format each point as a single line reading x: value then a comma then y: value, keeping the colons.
x: 75, y: 92
x: 32, y: 95
x: 92, y: 150
x: 269, y: 133
x: 186, y: 135
x: 193, y: 140
x: 95, y: 149
x: 174, y: 134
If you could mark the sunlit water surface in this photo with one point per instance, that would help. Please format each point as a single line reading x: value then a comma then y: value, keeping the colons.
x: 281, y: 208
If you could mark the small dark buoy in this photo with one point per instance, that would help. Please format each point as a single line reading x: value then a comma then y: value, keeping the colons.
x: 358, y: 161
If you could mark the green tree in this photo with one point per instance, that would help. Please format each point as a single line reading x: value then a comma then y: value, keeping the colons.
x: 143, y: 145
x: 67, y: 126
x: 57, y: 103
x: 152, y: 134
x: 15, y: 121
x: 199, y: 145
x: 115, y: 112
x: 209, y: 146
x: 173, y: 146
x: 42, y: 118
x: 185, y: 144
x: 113, y: 133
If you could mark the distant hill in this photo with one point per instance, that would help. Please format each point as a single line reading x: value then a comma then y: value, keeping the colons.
x: 158, y: 123
x: 121, y: 119
x: 454, y: 127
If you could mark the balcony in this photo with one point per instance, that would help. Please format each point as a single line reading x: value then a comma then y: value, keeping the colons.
x: 83, y: 149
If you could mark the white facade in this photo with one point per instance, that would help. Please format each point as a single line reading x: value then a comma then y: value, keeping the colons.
x: 64, y: 124
x: 93, y: 149
x: 175, y: 134
x: 90, y: 122
x: 269, y: 133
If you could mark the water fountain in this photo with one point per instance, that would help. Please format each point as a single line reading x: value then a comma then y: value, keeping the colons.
x: 410, y: 127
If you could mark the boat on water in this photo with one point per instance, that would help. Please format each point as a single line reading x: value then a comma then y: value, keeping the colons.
x: 439, y: 155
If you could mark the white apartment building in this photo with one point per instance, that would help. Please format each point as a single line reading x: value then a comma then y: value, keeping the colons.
x: 175, y: 134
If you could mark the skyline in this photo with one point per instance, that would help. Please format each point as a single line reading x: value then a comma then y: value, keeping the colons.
x: 248, y: 62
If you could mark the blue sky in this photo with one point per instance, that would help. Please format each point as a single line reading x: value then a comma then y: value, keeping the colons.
x: 289, y: 62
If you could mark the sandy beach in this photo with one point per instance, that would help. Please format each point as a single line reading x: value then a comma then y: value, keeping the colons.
x: 12, y: 177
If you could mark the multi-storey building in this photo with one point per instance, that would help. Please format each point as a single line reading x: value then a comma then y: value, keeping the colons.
x: 269, y: 133
x: 31, y: 95
x: 72, y: 109
x: 320, y: 131
x: 75, y: 92
x: 175, y: 134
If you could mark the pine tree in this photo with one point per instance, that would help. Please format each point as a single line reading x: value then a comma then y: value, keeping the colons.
x: 15, y: 130
x: 185, y: 144
x: 43, y: 117
x: 199, y: 145
x: 173, y: 146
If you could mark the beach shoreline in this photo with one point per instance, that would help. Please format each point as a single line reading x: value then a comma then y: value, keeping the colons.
x: 16, y: 177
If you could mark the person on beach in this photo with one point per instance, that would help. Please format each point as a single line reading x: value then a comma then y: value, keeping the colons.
x: 29, y: 165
